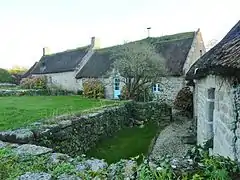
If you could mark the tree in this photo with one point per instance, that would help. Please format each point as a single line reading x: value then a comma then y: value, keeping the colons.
x: 5, y: 76
x: 139, y: 65
x: 17, y: 70
x: 211, y: 44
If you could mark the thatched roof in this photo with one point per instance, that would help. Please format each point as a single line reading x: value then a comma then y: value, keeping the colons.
x: 222, y: 59
x: 174, y: 48
x: 29, y: 72
x: 60, y: 62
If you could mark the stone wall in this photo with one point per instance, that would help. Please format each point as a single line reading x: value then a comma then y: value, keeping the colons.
x: 80, y: 133
x: 223, y: 127
x: 236, y: 129
x: 169, y: 88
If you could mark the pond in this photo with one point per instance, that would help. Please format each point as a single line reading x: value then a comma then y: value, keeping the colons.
x: 126, y: 143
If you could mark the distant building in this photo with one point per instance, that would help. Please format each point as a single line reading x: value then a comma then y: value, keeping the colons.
x: 69, y: 69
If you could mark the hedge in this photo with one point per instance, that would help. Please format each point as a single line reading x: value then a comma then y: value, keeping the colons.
x: 5, y: 76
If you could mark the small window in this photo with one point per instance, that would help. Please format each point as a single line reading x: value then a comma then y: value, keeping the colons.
x: 211, y: 98
x: 116, y: 84
x: 201, y: 53
x: 156, y: 88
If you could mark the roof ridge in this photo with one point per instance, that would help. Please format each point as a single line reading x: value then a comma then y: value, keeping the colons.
x: 149, y: 38
x: 68, y: 50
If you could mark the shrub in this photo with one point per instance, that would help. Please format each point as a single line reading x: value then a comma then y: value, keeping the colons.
x: 5, y: 76
x: 34, y: 83
x: 124, y: 93
x: 184, y: 100
x: 93, y: 88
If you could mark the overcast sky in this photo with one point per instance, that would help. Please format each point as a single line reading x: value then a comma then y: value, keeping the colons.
x: 27, y: 26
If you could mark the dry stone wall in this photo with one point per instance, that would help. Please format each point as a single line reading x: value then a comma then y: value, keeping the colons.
x: 79, y: 133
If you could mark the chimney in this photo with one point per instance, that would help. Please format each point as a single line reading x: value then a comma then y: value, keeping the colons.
x: 46, y: 51
x: 95, y: 43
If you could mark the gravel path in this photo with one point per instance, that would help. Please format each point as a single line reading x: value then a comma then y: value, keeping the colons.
x: 169, y: 141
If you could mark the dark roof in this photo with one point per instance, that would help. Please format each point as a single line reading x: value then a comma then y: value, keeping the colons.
x: 222, y: 59
x: 97, y: 65
x: 174, y: 48
x: 26, y: 74
x: 60, y: 62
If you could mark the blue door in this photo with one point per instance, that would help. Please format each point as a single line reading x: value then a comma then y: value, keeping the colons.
x: 117, y: 90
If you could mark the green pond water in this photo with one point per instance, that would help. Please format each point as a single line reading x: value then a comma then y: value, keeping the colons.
x: 127, y: 143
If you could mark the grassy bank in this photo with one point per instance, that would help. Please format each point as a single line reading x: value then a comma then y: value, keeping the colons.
x: 126, y: 143
x: 20, y: 111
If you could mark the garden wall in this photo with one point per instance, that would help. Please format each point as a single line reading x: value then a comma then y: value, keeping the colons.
x: 33, y: 92
x: 79, y: 133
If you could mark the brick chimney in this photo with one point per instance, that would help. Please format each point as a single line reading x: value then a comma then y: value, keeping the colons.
x: 95, y: 43
x: 46, y: 51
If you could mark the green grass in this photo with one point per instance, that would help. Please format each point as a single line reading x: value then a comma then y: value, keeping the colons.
x: 127, y: 143
x: 21, y: 111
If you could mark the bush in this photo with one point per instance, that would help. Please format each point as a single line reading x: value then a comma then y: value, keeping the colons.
x: 5, y: 76
x: 124, y: 93
x: 34, y: 83
x: 184, y: 100
x: 93, y: 88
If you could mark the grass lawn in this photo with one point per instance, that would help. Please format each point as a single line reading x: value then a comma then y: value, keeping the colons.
x: 126, y: 143
x: 20, y: 111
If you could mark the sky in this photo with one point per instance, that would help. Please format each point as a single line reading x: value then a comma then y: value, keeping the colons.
x: 27, y: 26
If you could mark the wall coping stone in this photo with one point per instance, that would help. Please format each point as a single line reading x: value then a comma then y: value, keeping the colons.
x: 29, y: 149
x: 35, y: 176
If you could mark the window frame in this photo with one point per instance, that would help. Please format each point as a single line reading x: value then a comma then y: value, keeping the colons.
x: 156, y: 88
x: 116, y: 84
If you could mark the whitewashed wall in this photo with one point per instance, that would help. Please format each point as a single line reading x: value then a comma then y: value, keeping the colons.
x: 64, y: 80
x: 224, y: 118
x: 194, y: 52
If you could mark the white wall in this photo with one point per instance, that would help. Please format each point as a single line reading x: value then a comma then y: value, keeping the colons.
x: 194, y: 52
x: 64, y: 80
x: 224, y: 117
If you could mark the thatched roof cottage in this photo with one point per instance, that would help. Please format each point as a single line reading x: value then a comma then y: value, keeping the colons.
x: 215, y: 77
x: 69, y: 69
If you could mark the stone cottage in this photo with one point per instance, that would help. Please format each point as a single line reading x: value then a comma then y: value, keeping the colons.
x: 69, y: 69
x: 62, y: 67
x: 215, y: 78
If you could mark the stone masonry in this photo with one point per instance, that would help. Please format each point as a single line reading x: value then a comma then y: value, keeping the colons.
x: 81, y: 132
x: 169, y: 88
x: 223, y: 125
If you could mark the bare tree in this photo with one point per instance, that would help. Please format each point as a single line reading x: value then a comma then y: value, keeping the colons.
x: 211, y: 44
x: 139, y: 65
